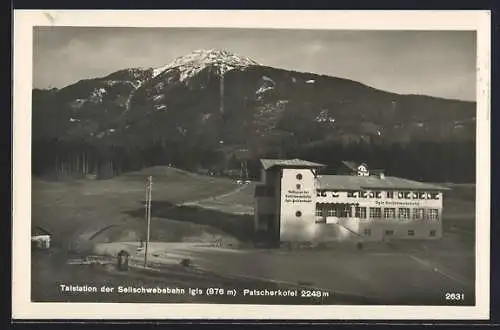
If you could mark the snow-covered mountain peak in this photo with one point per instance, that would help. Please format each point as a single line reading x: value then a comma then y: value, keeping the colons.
x: 190, y: 64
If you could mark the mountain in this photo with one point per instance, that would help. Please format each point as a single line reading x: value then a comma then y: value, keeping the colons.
x: 190, y: 65
x: 201, y: 108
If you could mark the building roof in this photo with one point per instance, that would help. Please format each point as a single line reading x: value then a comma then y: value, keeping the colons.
x: 349, y: 182
x: 38, y: 230
x: 269, y: 163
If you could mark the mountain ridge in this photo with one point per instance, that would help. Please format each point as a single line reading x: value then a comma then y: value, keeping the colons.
x: 221, y: 52
x: 213, y: 100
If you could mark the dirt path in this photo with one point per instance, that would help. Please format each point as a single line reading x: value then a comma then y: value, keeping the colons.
x: 227, y: 203
x: 214, y: 198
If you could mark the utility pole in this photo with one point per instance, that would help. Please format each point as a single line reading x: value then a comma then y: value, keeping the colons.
x: 149, y: 186
x: 222, y: 92
x: 244, y: 170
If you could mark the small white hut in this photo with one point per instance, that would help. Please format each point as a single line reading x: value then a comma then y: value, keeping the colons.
x: 40, y: 238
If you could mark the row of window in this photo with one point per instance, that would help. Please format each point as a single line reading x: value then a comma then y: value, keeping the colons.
x: 377, y: 212
x: 341, y: 213
x: 379, y: 194
x: 411, y: 232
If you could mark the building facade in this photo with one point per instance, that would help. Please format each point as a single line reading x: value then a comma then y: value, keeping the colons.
x: 296, y: 203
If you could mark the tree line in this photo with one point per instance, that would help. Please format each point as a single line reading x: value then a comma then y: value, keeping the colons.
x: 423, y: 161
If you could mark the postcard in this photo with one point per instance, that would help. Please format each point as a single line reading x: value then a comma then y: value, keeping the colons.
x: 251, y: 164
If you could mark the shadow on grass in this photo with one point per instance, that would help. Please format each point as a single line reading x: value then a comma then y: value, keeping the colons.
x: 239, y: 226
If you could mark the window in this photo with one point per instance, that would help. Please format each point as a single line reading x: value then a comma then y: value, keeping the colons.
x: 433, y: 214
x: 319, y: 212
x: 404, y: 213
x: 360, y: 212
x: 405, y: 195
x: 320, y: 193
x: 332, y: 212
x: 367, y: 232
x: 418, y: 214
x: 389, y: 213
x: 345, y: 212
x: 299, y: 176
x: 375, y: 212
x: 389, y: 232
x: 390, y: 194
x: 411, y: 232
x: 434, y: 195
x: 432, y: 233
x: 298, y: 214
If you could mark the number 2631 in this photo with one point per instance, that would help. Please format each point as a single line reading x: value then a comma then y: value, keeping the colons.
x: 454, y: 296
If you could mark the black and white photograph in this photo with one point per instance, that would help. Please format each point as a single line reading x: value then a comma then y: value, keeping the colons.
x: 270, y: 166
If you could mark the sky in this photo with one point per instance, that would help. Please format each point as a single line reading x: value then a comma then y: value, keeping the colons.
x: 435, y: 63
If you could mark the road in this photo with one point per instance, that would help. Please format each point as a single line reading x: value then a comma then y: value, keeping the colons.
x: 52, y: 275
x: 383, y: 276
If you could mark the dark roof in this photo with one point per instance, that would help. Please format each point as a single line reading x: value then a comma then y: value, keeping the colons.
x: 38, y: 230
x: 269, y: 163
x: 350, y: 182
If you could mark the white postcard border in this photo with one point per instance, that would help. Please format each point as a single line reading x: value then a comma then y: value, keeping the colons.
x: 24, y: 20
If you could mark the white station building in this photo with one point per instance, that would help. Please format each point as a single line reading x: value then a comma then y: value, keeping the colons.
x: 294, y: 203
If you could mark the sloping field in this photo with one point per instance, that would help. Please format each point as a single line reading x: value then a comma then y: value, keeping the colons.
x: 74, y: 211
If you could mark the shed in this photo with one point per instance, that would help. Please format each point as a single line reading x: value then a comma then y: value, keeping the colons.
x: 40, y: 237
